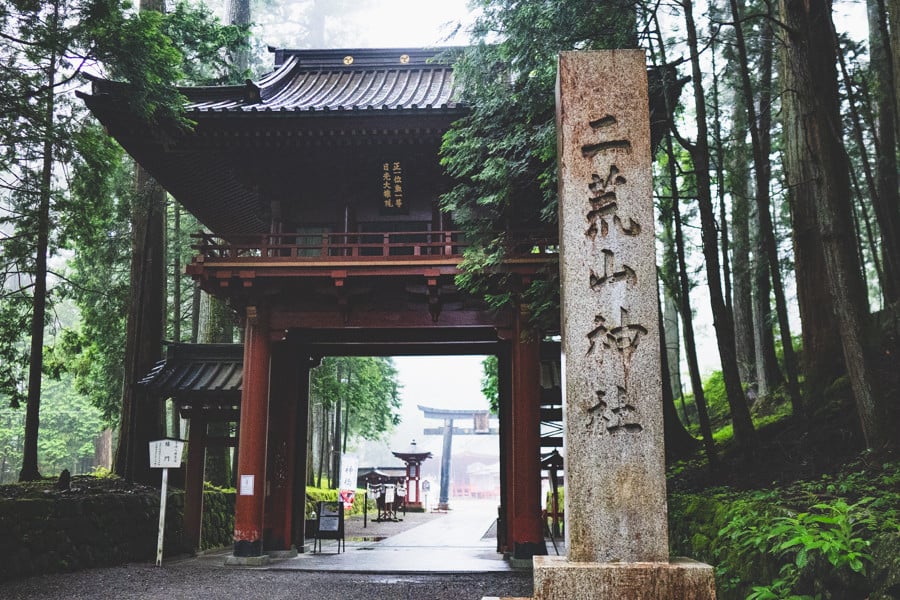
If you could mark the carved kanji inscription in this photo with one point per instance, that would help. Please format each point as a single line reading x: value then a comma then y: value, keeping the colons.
x: 613, y: 415
x: 610, y: 273
x: 625, y: 336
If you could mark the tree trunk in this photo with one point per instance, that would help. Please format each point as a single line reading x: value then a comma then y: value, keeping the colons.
x: 885, y: 201
x: 217, y: 328
x: 813, y: 143
x: 175, y: 424
x: 336, y: 441
x: 893, y: 13
x: 29, y: 471
x: 744, y: 434
x: 683, y: 293
x: 678, y: 441
x: 690, y: 346
x: 238, y: 13
x: 673, y: 349
x: 740, y: 226
x: 761, y: 146
x: 141, y: 416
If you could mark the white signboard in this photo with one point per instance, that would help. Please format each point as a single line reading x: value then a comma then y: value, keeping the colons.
x: 247, y: 482
x: 166, y: 454
x: 349, y: 470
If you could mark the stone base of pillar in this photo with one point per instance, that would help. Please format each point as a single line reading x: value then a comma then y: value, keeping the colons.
x: 247, y: 561
x: 556, y: 578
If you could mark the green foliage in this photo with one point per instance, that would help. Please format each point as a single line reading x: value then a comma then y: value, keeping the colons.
x: 368, y: 390
x: 315, y: 495
x: 502, y: 156
x: 800, y: 541
x: 101, y: 472
x: 490, y: 382
x: 69, y: 425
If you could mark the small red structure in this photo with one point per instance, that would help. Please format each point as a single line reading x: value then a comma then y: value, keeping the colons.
x: 413, y: 459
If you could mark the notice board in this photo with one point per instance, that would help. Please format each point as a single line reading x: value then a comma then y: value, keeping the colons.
x: 329, y: 523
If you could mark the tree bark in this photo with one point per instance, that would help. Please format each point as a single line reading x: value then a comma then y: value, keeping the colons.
x: 217, y: 328
x: 739, y: 179
x: 683, y: 294
x: 29, y: 471
x: 678, y: 441
x: 761, y: 146
x: 141, y: 416
x: 893, y: 12
x: 813, y: 145
x: 238, y: 13
x: 744, y: 434
x: 690, y: 344
x: 885, y: 201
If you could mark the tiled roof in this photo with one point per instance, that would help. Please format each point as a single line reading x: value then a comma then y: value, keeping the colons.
x: 318, y: 81
x: 197, y: 370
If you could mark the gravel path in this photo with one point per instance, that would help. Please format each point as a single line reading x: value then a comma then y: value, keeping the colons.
x: 191, y: 579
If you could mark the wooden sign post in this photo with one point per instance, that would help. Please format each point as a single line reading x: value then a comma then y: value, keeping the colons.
x: 164, y: 454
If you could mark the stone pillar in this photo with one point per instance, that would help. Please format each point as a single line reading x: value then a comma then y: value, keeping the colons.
x: 507, y: 501
x: 283, y: 396
x: 615, y: 501
x: 527, y: 528
x: 249, y: 509
x: 446, y: 449
x: 193, y: 481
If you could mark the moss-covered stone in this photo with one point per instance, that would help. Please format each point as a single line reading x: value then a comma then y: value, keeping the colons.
x: 44, y: 535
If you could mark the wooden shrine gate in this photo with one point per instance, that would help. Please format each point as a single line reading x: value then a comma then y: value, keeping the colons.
x: 320, y: 187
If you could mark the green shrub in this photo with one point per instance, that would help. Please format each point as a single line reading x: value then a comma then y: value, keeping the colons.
x: 315, y: 495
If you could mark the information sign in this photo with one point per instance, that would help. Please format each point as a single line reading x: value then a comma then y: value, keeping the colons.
x: 329, y: 523
x: 166, y: 454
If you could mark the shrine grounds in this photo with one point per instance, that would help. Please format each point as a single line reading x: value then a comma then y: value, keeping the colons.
x: 195, y: 580
x: 427, y: 556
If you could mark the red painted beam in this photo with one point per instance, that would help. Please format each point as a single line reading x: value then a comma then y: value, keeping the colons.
x: 527, y: 535
x: 281, y: 455
x: 249, y: 504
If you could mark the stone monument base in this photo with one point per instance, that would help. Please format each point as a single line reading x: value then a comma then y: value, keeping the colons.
x: 246, y: 561
x: 555, y: 578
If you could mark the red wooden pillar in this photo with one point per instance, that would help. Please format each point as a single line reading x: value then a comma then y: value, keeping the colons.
x: 303, y: 363
x: 527, y: 537
x: 283, y: 397
x: 251, y: 477
x: 507, y: 501
x: 193, y: 484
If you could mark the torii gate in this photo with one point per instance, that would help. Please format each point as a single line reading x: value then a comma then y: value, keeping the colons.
x: 481, y: 426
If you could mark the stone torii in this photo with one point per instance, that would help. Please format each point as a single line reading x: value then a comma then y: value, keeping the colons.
x: 480, y: 426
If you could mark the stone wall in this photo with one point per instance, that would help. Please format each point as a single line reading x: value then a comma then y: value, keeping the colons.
x: 66, y: 534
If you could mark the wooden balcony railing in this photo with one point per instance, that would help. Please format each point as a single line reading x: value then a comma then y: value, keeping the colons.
x: 338, y: 247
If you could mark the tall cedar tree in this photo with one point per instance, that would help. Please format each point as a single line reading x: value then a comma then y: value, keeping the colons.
x: 744, y: 434
x: 502, y: 155
x: 45, y: 45
x: 817, y: 167
x: 885, y: 200
x: 761, y: 147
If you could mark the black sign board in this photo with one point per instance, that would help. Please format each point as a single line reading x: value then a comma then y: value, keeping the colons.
x: 329, y: 524
x: 393, y: 188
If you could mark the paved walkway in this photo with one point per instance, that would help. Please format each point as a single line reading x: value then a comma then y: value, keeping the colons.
x: 443, y: 557
x: 455, y: 542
